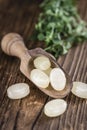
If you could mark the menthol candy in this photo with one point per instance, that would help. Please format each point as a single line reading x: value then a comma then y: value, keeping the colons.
x: 79, y: 89
x: 57, y: 79
x: 42, y: 63
x: 39, y: 78
x: 18, y: 91
x: 55, y: 108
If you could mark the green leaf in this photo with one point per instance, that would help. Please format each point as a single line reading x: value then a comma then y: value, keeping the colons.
x: 40, y: 37
x: 60, y: 26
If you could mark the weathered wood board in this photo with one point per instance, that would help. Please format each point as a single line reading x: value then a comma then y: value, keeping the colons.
x: 27, y: 114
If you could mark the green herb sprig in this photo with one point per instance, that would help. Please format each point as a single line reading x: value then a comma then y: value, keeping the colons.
x: 60, y: 26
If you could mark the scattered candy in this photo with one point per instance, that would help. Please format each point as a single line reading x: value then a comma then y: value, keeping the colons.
x: 55, y: 107
x: 18, y: 91
x: 79, y: 89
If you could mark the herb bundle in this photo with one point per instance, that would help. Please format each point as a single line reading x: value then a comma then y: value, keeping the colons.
x: 60, y: 26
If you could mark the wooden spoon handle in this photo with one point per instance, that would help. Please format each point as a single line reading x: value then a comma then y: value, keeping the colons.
x: 12, y: 44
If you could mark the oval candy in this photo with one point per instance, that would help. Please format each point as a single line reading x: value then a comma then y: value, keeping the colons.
x: 42, y: 63
x: 55, y: 108
x: 18, y: 91
x: 57, y: 79
x: 39, y: 78
x: 79, y: 89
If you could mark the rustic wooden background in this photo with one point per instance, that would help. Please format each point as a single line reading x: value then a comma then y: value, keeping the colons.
x: 27, y: 114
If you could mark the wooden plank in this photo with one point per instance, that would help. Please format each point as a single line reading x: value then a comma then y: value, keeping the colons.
x: 26, y: 114
x: 75, y: 116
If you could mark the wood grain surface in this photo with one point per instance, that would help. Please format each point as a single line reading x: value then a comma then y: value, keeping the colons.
x: 20, y: 16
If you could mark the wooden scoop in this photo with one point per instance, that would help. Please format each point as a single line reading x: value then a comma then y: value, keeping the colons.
x: 12, y: 44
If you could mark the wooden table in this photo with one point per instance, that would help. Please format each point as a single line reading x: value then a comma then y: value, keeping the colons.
x: 27, y: 114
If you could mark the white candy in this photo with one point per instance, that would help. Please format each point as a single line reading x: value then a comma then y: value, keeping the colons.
x: 18, y: 91
x: 42, y: 63
x: 48, y: 71
x: 79, y: 89
x: 57, y: 79
x: 39, y: 78
x: 55, y: 107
